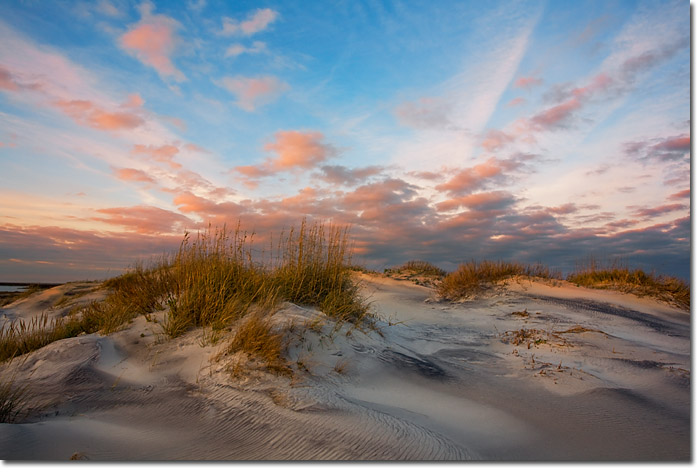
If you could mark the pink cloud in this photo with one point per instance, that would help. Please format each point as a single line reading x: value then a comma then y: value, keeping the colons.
x: 256, y: 22
x: 131, y: 174
x: 557, y: 116
x: 659, y: 210
x: 133, y: 101
x: 7, y: 81
x: 163, y: 154
x: 153, y: 41
x: 207, y: 209
x: 196, y: 148
x: 516, y: 102
x: 298, y: 150
x: 146, y: 219
x: 685, y: 194
x: 681, y: 143
x: 495, y: 140
x: 253, y: 92
x: 599, y: 84
x: 469, y: 179
x: 527, y: 82
x: 669, y: 149
x: 87, y: 113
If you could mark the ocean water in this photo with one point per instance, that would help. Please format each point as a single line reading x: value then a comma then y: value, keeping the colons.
x: 12, y: 288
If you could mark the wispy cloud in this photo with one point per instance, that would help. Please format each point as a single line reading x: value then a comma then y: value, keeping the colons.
x: 237, y: 49
x: 253, y: 92
x: 256, y: 22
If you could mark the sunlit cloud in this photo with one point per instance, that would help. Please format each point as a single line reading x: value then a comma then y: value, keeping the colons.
x: 256, y: 22
x: 153, y: 41
x: 87, y: 113
x: 253, y: 92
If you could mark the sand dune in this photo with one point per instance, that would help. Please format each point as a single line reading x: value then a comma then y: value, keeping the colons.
x: 528, y: 371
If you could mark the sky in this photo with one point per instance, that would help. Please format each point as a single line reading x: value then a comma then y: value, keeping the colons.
x: 536, y: 131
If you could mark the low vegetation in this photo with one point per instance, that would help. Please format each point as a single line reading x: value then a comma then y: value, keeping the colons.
x: 472, y: 277
x: 13, y: 397
x: 7, y: 297
x: 616, y: 276
x: 419, y: 272
x: 213, y: 281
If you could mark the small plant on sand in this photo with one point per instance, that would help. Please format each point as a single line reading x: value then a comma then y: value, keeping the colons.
x: 471, y: 277
x: 620, y: 277
x: 256, y: 337
x: 13, y: 396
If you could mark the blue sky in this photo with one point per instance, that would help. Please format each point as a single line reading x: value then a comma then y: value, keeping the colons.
x: 444, y: 131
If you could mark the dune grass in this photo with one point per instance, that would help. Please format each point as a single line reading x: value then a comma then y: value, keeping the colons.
x: 213, y: 281
x: 418, y: 267
x: 472, y: 277
x: 13, y: 396
x: 619, y: 277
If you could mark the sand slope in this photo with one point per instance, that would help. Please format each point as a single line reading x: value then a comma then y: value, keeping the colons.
x: 595, y: 375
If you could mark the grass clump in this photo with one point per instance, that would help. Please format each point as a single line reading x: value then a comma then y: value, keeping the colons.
x: 257, y: 338
x: 417, y: 267
x: 21, y: 337
x: 616, y: 276
x: 472, y: 277
x: 13, y: 397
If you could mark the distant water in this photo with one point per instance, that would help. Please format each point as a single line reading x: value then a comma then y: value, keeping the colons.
x: 12, y: 288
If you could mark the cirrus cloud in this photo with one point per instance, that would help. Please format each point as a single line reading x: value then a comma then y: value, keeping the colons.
x: 253, y: 92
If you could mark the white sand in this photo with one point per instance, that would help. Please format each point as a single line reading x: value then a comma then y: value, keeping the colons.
x: 438, y: 383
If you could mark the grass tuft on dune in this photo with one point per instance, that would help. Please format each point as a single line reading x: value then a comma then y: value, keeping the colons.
x: 616, y: 276
x: 472, y: 277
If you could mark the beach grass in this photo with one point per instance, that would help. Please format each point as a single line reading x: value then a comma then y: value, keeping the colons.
x: 13, y: 396
x: 472, y: 277
x: 417, y: 267
x: 213, y: 281
x: 620, y: 277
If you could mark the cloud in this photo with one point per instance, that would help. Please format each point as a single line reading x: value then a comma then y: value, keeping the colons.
x: 425, y: 113
x: 131, y: 174
x: 495, y: 140
x: 664, y: 150
x: 164, y: 154
x: 651, y: 212
x: 237, y: 49
x: 478, y: 176
x: 207, y: 209
x: 256, y: 22
x: 75, y: 254
x: 558, y: 116
x: 487, y: 201
x: 297, y: 149
x: 7, y: 81
x: 153, y: 41
x: 341, y: 175
x: 685, y: 194
x: 516, y: 102
x: 253, y: 92
x: 146, y: 219
x: 87, y: 113
x: 527, y: 82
